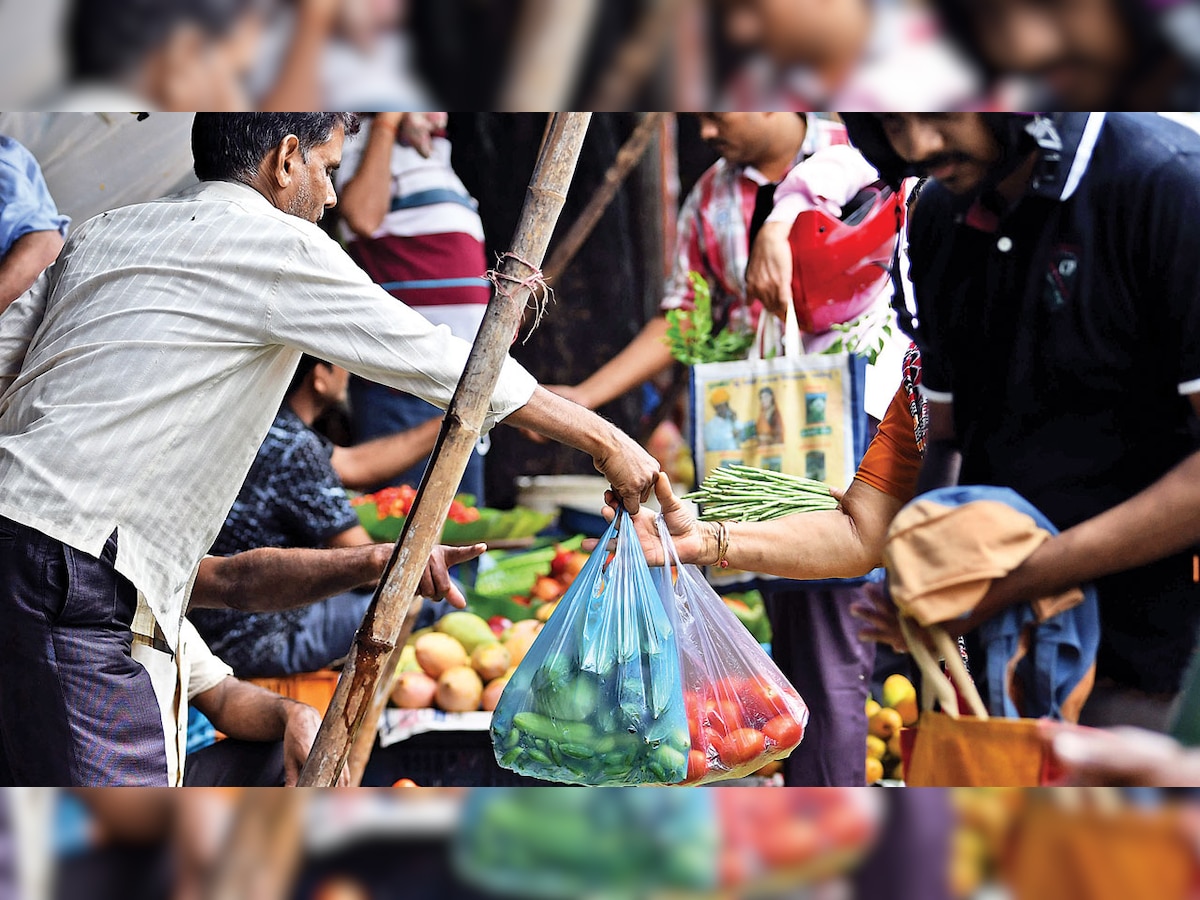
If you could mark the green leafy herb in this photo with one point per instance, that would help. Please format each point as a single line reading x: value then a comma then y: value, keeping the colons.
x: 866, y: 336
x: 689, y: 332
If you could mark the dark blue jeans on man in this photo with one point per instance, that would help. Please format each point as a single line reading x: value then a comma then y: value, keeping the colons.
x: 75, y: 707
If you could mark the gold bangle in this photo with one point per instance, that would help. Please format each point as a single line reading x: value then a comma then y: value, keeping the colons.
x: 722, y: 545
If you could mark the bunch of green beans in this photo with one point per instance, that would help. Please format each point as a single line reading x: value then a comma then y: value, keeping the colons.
x: 746, y: 494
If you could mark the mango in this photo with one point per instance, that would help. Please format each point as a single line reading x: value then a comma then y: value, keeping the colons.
x: 459, y: 690
x: 414, y: 690
x: 467, y: 628
x: 438, y: 652
x: 491, y: 660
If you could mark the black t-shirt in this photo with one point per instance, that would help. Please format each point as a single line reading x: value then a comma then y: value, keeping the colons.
x: 1067, y: 332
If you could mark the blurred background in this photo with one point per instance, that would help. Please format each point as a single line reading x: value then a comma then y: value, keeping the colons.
x: 553, y: 843
x: 621, y: 54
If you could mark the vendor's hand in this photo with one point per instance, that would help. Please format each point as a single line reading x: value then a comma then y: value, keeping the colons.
x: 769, y: 272
x: 1121, y: 757
x: 299, y: 734
x: 436, y: 582
x: 880, y: 618
x: 566, y: 391
x: 629, y: 469
x: 694, y: 541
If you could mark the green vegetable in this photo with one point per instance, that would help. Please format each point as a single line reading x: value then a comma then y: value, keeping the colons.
x: 745, y: 494
x: 689, y: 332
x: 548, y: 729
x: 578, y: 751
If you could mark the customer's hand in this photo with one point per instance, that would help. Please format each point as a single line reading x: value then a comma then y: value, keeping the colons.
x: 769, y: 272
x: 299, y: 733
x: 694, y: 541
x: 436, y: 582
x: 880, y: 618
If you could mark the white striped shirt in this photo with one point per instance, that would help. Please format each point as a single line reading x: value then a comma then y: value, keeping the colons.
x: 141, y: 375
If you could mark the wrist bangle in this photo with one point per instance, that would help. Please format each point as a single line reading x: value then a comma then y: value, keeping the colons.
x: 722, y: 545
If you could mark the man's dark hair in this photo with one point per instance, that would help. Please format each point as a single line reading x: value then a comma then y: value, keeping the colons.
x: 231, y: 146
x: 307, y: 364
x: 109, y: 39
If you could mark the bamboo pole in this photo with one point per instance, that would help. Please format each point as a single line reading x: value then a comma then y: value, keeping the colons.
x: 628, y: 157
x: 549, y: 47
x: 262, y: 854
x: 385, y: 618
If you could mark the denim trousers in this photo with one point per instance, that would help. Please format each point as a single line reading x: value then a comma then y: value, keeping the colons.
x: 75, y: 707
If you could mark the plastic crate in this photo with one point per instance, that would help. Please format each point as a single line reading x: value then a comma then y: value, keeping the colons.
x: 314, y: 688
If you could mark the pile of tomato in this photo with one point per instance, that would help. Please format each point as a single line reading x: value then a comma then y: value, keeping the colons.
x: 396, y: 502
x: 739, y: 725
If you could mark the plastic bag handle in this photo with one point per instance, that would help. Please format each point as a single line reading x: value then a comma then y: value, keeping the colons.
x: 793, y: 342
x: 669, y: 589
x: 934, y: 683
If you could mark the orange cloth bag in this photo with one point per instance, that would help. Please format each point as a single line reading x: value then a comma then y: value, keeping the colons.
x: 1071, y: 852
x: 949, y: 749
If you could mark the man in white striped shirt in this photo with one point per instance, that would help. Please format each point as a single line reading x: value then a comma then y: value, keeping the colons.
x: 138, y: 379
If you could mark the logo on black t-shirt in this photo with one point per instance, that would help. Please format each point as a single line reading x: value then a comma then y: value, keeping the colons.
x: 1062, y: 272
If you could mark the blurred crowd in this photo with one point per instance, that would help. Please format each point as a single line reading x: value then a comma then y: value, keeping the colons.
x: 536, y: 54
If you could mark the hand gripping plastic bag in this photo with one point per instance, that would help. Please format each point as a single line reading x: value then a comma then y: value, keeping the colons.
x: 742, y: 712
x: 598, y: 699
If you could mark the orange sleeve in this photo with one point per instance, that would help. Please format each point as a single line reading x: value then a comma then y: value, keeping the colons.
x: 892, y: 461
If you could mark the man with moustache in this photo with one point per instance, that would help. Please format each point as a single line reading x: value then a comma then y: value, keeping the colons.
x: 1086, y: 54
x: 1053, y: 264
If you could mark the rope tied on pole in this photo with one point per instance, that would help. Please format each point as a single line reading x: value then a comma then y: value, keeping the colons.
x: 510, y: 286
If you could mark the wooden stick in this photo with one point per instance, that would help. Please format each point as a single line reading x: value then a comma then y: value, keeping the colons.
x: 549, y: 46
x: 364, y: 742
x: 262, y: 854
x: 627, y: 158
x: 384, y: 620
x: 638, y: 56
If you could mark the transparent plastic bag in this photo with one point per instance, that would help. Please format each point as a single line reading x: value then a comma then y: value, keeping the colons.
x: 536, y: 844
x: 742, y: 712
x: 598, y: 698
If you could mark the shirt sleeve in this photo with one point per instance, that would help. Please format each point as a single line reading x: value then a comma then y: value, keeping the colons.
x: 892, y: 461
x: 311, y: 498
x: 827, y: 180
x: 325, y: 305
x: 25, y: 202
x: 18, y: 324
x: 205, y: 670
x: 689, y: 253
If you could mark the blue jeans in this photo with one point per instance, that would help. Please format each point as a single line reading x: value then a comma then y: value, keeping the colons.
x: 377, y: 411
x: 75, y: 708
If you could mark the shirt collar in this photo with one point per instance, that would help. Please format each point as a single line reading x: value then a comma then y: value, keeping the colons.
x: 807, y: 149
x: 230, y: 190
x: 1067, y: 142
